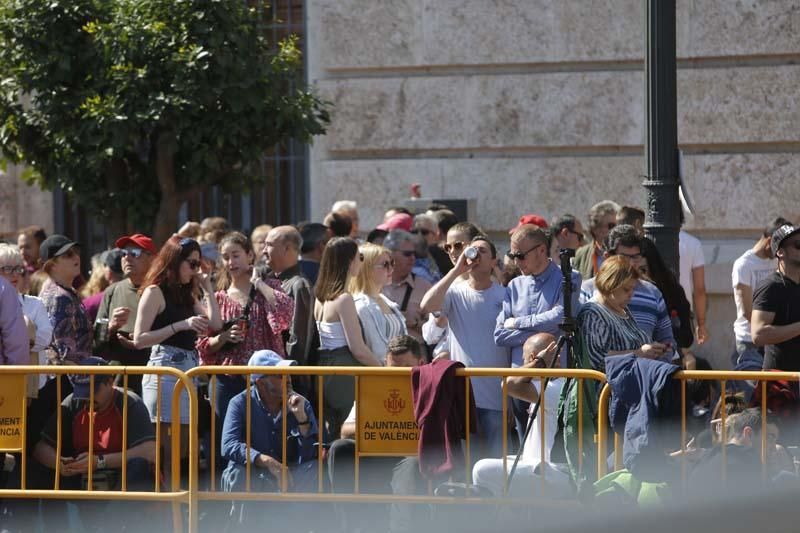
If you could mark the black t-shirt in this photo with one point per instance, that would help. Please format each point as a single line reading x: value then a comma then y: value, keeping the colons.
x: 780, y: 295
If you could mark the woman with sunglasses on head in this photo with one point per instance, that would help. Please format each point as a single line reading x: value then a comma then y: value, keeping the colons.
x: 340, y: 338
x: 380, y: 317
x: 40, y: 330
x: 255, y: 314
x: 177, y: 304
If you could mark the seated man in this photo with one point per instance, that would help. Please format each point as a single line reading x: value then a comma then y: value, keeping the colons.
x: 107, y: 446
x: 266, y: 426
x: 397, y: 475
x: 537, y: 352
x: 742, y: 462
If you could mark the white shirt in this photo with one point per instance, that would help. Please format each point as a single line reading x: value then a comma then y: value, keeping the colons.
x: 33, y: 309
x: 532, y: 454
x: 748, y: 270
x: 691, y: 252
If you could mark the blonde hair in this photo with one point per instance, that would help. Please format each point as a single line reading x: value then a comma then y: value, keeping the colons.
x: 615, y: 272
x: 364, y: 282
x: 97, y: 282
x: 10, y: 254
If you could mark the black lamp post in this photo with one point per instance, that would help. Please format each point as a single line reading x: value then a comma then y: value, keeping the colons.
x: 663, y: 220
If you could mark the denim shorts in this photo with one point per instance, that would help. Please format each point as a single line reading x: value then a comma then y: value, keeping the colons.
x: 164, y: 355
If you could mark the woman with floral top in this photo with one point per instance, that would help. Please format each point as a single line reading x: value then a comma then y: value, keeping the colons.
x: 255, y: 313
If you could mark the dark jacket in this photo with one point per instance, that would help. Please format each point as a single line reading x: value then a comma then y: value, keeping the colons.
x: 440, y: 402
x: 302, y: 340
x: 645, y: 401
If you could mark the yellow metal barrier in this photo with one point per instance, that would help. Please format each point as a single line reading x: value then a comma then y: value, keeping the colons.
x: 360, y: 374
x: 704, y: 375
x: 175, y: 496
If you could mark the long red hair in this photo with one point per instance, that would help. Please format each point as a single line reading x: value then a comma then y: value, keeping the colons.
x: 165, y: 270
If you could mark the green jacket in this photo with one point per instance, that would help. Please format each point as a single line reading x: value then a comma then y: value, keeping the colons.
x: 584, y: 262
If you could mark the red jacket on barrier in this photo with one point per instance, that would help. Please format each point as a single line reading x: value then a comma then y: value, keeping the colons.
x: 440, y: 403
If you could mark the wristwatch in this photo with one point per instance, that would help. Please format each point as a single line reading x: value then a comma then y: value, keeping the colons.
x: 101, y: 462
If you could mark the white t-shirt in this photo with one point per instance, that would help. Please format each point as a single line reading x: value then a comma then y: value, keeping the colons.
x: 691, y: 252
x: 532, y: 454
x: 471, y: 316
x: 748, y: 270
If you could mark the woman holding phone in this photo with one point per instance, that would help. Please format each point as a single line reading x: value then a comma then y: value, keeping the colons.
x: 177, y: 304
x: 255, y: 313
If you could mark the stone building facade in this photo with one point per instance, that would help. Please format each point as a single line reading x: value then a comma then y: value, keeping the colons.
x: 537, y: 106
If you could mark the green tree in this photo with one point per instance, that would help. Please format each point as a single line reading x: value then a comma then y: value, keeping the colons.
x: 132, y: 105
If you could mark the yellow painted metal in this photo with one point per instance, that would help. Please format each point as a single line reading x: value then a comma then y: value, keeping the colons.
x: 602, y: 429
x: 505, y: 437
x: 125, y: 433
x: 247, y: 433
x: 90, y: 484
x: 187, y: 497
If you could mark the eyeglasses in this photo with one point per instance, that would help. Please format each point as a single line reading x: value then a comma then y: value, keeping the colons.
x: 387, y: 265
x: 136, y: 253
x: 19, y: 270
x: 521, y: 255
x: 454, y: 247
x: 406, y: 253
x: 421, y: 231
x: 194, y: 264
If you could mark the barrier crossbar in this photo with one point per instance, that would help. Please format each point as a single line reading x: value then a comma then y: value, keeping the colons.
x: 721, y: 376
x: 175, y: 496
x: 190, y: 494
x: 360, y: 375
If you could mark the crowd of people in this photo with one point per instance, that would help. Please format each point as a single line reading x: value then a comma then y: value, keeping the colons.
x: 419, y: 290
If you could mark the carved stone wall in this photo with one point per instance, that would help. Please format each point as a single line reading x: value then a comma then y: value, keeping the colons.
x: 537, y: 106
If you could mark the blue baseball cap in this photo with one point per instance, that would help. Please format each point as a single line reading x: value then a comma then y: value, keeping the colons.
x: 80, y: 382
x: 267, y: 358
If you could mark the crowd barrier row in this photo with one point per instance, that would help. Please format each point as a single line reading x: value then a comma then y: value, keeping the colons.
x: 393, y: 393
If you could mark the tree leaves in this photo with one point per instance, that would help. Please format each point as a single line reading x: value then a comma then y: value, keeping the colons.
x: 87, y: 86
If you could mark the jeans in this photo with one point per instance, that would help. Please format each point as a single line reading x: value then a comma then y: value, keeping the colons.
x: 165, y: 355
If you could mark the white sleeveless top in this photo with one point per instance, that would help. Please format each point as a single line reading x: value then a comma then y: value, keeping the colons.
x: 331, y: 335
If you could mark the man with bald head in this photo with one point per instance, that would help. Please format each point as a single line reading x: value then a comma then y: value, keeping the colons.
x: 282, y: 252
x: 539, y: 350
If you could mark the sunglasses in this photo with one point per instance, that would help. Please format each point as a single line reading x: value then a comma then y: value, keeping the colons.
x: 406, y: 253
x: 521, y: 255
x: 19, y: 270
x: 72, y: 252
x: 194, y: 264
x: 454, y: 247
x: 136, y: 253
x: 421, y: 231
x: 579, y: 235
x: 387, y: 265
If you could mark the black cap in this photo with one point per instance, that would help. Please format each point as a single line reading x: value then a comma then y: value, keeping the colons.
x: 54, y: 246
x: 780, y: 234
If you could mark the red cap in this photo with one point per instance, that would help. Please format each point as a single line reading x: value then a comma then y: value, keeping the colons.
x: 536, y: 220
x: 397, y: 221
x: 140, y: 241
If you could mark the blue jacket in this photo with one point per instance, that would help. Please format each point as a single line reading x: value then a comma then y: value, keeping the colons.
x: 643, y: 399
